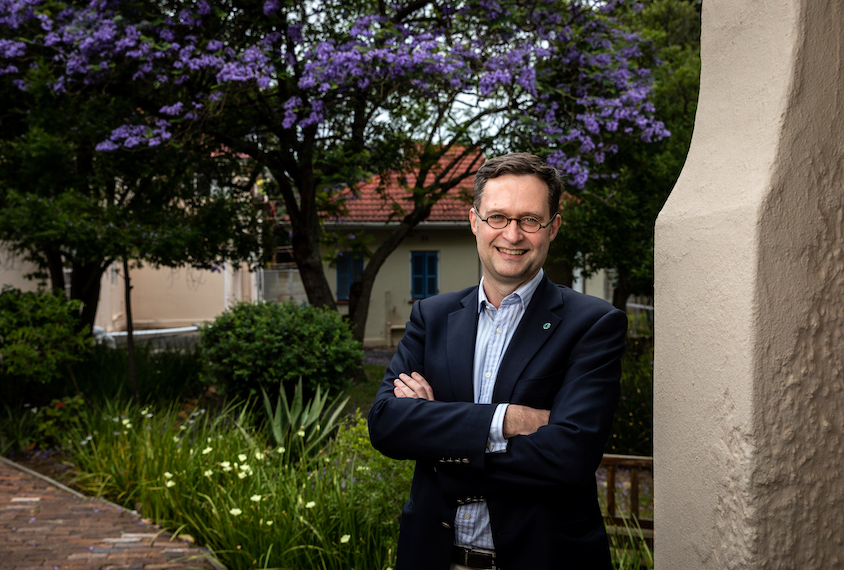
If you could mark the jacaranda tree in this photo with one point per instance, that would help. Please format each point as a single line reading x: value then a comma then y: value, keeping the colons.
x: 66, y: 204
x: 324, y: 94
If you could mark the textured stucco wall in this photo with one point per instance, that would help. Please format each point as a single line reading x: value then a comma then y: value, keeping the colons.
x: 749, y: 300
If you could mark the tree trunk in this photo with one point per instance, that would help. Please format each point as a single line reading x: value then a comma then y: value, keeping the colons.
x: 361, y: 291
x: 55, y: 266
x: 309, y: 263
x: 85, y: 287
x: 621, y: 292
x: 130, y: 339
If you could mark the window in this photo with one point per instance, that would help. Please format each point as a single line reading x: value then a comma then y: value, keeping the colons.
x: 349, y: 270
x: 423, y: 274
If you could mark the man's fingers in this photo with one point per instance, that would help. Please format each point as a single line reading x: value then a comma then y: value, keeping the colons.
x: 412, y: 386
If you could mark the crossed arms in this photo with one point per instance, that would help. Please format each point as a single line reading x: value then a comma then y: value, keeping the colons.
x: 419, y: 415
x: 518, y: 419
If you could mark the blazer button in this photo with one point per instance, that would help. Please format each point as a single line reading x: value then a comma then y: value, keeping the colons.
x: 465, y: 460
x: 446, y: 525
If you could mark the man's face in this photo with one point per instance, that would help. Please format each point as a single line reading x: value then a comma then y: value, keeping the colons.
x: 511, y: 257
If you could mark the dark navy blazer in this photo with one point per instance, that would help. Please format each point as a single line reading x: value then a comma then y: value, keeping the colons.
x: 541, y: 493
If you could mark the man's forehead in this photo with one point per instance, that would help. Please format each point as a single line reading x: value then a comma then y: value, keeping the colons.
x: 528, y: 192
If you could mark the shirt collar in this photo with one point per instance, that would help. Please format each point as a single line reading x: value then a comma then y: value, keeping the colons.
x: 523, y: 293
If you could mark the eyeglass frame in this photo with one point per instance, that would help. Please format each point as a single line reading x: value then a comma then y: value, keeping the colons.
x: 518, y: 222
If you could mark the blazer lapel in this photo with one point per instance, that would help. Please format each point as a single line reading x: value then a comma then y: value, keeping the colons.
x: 538, y: 324
x: 460, y: 350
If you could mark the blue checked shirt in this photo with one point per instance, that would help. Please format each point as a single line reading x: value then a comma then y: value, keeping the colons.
x: 495, y: 330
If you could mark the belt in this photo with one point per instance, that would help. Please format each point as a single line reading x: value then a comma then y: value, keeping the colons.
x: 473, y: 558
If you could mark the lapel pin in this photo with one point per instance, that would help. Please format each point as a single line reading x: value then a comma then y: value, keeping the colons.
x: 546, y: 326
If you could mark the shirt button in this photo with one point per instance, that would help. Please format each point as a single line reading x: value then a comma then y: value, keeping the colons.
x: 498, y: 330
x: 467, y: 516
x: 488, y: 374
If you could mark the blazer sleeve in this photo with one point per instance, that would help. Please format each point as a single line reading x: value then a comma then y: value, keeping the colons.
x: 447, y: 432
x: 569, y: 449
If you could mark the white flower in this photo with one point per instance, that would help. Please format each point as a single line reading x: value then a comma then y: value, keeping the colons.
x: 175, y: 439
x: 301, y: 433
x: 259, y: 456
x: 235, y: 512
x: 280, y: 450
x: 207, y: 450
x: 208, y: 473
x: 255, y: 498
x: 170, y: 483
x: 242, y: 457
x: 345, y: 538
x: 269, y: 523
x: 125, y: 422
x: 310, y: 505
x: 226, y: 466
x: 168, y: 475
x: 242, y: 475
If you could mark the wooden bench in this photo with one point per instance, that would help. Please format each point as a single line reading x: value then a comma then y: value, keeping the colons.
x: 619, y: 527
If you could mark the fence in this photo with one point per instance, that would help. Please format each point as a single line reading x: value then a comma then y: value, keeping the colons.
x: 615, y: 513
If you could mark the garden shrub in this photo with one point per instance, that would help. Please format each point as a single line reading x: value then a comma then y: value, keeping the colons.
x: 254, y: 346
x: 632, y: 428
x: 39, y: 336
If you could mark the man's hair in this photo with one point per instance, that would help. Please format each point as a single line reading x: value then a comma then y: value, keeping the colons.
x: 520, y: 164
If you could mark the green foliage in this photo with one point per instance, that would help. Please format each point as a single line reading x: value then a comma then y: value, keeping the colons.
x: 38, y: 336
x: 18, y: 428
x: 217, y: 479
x: 302, y: 428
x: 164, y: 374
x: 632, y: 428
x: 54, y: 419
x: 611, y: 223
x: 255, y: 346
x: 630, y: 550
x: 382, y: 484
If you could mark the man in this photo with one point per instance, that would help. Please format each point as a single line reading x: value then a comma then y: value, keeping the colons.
x: 504, y: 394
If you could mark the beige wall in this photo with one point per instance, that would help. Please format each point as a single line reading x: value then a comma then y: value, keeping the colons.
x: 12, y: 271
x: 749, y: 373
x: 167, y: 298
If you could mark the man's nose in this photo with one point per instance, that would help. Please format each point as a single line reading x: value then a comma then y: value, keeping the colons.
x: 513, y: 232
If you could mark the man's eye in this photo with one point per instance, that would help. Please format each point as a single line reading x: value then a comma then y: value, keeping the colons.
x: 532, y: 221
x: 496, y: 218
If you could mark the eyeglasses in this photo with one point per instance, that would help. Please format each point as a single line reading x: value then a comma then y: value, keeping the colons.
x: 527, y: 224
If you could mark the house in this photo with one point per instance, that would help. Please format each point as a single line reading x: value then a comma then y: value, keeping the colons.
x: 439, y: 255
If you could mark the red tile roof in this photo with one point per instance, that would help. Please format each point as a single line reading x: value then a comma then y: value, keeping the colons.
x: 374, y: 205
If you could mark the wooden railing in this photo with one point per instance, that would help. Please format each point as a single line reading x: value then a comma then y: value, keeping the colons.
x: 635, y: 464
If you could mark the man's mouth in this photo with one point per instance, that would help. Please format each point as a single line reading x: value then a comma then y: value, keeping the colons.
x: 512, y: 251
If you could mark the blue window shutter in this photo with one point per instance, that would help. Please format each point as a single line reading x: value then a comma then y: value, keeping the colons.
x: 349, y: 269
x: 423, y: 274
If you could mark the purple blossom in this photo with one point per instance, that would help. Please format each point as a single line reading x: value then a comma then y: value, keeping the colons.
x: 172, y: 110
x: 270, y: 6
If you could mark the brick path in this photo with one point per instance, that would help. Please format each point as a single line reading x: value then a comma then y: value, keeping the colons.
x: 45, y: 526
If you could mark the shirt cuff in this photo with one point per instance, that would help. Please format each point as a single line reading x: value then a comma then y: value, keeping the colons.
x: 496, y: 442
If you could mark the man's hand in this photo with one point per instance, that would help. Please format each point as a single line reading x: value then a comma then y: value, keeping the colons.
x: 412, y: 386
x: 522, y: 420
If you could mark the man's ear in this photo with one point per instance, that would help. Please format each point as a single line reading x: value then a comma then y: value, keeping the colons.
x: 555, y: 225
x: 473, y: 221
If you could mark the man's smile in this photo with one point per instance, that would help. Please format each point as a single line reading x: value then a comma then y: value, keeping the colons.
x: 511, y: 251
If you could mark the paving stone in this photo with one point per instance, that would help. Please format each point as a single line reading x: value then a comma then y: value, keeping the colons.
x: 62, y: 531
